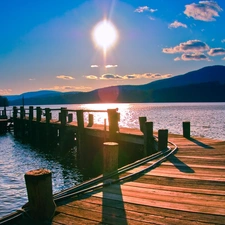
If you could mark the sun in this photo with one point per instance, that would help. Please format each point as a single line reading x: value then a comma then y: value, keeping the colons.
x: 105, y: 34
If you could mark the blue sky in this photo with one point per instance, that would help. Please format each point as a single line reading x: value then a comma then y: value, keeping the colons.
x: 48, y: 44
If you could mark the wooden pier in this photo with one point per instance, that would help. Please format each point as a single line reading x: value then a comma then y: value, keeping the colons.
x: 182, y: 184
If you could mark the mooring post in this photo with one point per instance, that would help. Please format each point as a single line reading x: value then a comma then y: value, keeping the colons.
x: 31, y: 113
x: 38, y: 112
x: 15, y: 121
x: 113, y: 124
x: 148, y: 138
x: 162, y: 139
x: 142, y: 121
x: 80, y: 135
x: 31, y: 116
x: 47, y: 119
x: 22, y: 122
x: 90, y: 120
x: 62, y: 129
x: 110, y: 157
x: 38, y: 120
x: 186, y: 129
x: 39, y: 191
x: 70, y: 117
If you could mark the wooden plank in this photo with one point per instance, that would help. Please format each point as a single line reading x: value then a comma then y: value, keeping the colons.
x: 155, y: 212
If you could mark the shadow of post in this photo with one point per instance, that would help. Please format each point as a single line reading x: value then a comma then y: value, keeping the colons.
x: 181, y: 166
x: 113, y: 211
x: 199, y: 143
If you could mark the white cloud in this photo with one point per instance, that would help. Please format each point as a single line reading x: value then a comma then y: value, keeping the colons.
x: 94, y: 66
x: 177, y: 59
x: 110, y: 76
x: 216, y: 51
x: 64, y: 77
x: 142, y: 9
x: 31, y: 79
x: 204, y: 10
x: 223, y: 58
x: 91, y: 77
x: 5, y: 91
x: 68, y: 88
x: 194, y: 56
x: 177, y: 24
x: 111, y: 66
x: 189, y: 46
x: 223, y: 41
x: 151, y: 18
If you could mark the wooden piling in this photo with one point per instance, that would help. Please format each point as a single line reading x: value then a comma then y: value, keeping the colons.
x: 15, y: 121
x: 38, y: 120
x: 162, y: 139
x: 70, y: 117
x: 80, y: 135
x: 186, y: 129
x: 38, y: 112
x: 142, y: 121
x: 113, y: 124
x: 48, y: 118
x: 30, y: 124
x: 110, y: 157
x: 90, y: 120
x: 62, y: 130
x: 22, y: 122
x: 148, y: 138
x: 39, y: 190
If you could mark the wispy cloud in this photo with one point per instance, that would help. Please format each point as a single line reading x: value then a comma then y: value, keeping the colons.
x: 110, y: 76
x: 68, y: 88
x: 31, y: 79
x: 111, y: 66
x: 223, y: 58
x: 223, y: 41
x: 189, y: 46
x: 64, y: 77
x: 204, y: 10
x: 151, y: 18
x: 216, y: 51
x: 177, y: 24
x: 194, y: 56
x: 5, y: 91
x: 142, y: 9
x: 91, y: 77
x: 94, y: 66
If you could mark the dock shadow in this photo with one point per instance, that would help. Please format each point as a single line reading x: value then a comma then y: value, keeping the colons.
x: 181, y: 166
x: 113, y: 210
x: 199, y: 143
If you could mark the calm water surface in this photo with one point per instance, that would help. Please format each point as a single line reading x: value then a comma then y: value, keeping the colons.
x: 207, y: 120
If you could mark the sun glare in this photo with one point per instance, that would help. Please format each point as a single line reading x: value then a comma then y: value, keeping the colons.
x: 105, y: 34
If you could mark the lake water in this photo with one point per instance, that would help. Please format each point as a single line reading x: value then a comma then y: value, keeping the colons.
x: 207, y: 120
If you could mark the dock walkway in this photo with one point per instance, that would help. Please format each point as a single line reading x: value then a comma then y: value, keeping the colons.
x: 188, y: 188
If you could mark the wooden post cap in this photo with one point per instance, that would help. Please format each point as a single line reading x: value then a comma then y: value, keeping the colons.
x: 38, y: 172
x: 39, y: 190
x: 110, y: 157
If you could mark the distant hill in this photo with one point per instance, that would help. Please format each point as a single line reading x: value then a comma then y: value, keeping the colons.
x: 203, y: 85
x: 33, y: 94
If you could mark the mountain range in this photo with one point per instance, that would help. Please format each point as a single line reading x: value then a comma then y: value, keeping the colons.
x: 204, y: 85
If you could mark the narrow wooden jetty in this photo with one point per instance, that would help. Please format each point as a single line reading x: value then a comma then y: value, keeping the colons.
x: 188, y: 187
x: 183, y: 183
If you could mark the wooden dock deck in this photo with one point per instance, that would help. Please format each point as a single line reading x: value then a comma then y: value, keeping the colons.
x: 188, y: 188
